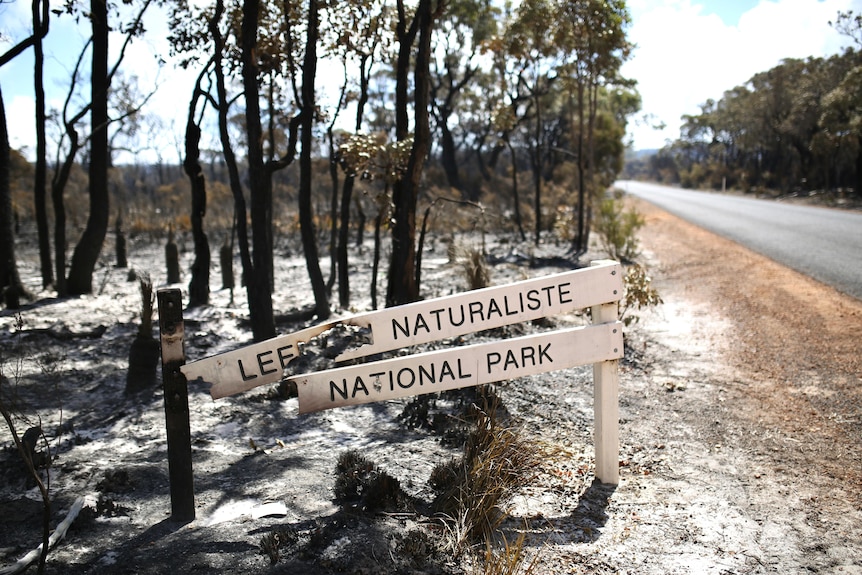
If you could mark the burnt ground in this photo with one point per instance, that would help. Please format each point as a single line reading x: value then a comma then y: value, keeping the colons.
x: 741, y: 432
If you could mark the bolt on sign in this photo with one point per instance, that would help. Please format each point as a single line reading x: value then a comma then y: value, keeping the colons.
x: 598, y: 287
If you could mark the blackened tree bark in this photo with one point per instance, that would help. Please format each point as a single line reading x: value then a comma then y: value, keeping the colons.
x: 449, y: 151
x: 516, y: 196
x: 347, y: 192
x: 334, y: 179
x: 199, y: 285
x: 89, y: 247
x: 306, y: 215
x: 9, y: 277
x: 227, y: 150
x: 58, y: 186
x: 341, y: 254
x: 403, y: 286
x: 445, y: 106
x: 537, y: 161
x: 41, y: 16
x: 259, y: 282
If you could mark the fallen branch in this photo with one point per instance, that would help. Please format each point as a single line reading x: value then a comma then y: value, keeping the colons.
x: 56, y: 536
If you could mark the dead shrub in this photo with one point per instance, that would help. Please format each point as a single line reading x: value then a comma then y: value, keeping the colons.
x: 475, y: 268
x: 361, y: 484
x: 273, y: 543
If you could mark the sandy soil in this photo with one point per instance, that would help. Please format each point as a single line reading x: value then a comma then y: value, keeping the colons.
x: 741, y: 432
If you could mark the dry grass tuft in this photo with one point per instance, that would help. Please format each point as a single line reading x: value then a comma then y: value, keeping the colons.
x: 473, y: 489
x: 508, y: 560
x: 475, y: 268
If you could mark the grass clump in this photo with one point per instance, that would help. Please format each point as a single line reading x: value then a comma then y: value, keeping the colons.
x: 507, y: 560
x: 472, y: 489
x: 275, y: 542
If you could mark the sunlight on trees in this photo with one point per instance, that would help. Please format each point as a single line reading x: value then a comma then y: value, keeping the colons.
x: 473, y: 95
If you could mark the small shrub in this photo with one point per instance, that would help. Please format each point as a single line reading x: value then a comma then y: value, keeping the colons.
x: 617, y: 229
x: 475, y: 268
x: 639, y: 294
x: 417, y: 546
x: 362, y: 484
x: 415, y: 413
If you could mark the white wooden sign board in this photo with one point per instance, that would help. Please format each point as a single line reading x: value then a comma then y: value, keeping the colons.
x: 452, y: 368
x: 421, y: 322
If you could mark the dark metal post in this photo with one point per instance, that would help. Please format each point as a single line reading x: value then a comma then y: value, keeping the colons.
x: 172, y: 334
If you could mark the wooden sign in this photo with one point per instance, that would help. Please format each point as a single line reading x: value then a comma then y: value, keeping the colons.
x: 422, y: 322
x: 478, y: 310
x: 598, y: 287
x: 442, y: 370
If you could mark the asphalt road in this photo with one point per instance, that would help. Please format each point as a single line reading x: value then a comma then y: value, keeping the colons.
x: 823, y: 243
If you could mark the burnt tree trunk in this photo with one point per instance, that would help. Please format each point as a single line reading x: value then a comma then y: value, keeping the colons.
x: 306, y: 216
x: 375, y: 267
x: 40, y: 29
x: 172, y: 259
x: 142, y: 373
x: 225, y: 256
x: 343, y: 233
x: 199, y: 285
x: 89, y: 247
x: 347, y: 196
x: 10, y: 281
x: 516, y: 196
x: 259, y: 276
x: 120, y: 243
x: 403, y: 287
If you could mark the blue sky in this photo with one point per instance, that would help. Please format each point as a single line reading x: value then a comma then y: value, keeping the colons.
x: 729, y: 10
x: 687, y: 52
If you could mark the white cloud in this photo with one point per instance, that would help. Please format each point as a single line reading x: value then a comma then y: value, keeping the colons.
x: 20, y: 122
x: 686, y: 56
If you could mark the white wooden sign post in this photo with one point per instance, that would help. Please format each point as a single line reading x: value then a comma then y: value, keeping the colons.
x: 598, y: 287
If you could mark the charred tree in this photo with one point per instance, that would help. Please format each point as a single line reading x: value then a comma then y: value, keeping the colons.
x: 10, y: 281
x: 41, y: 16
x: 89, y: 247
x: 306, y: 216
x: 403, y: 286
x: 199, y: 285
x: 259, y: 276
